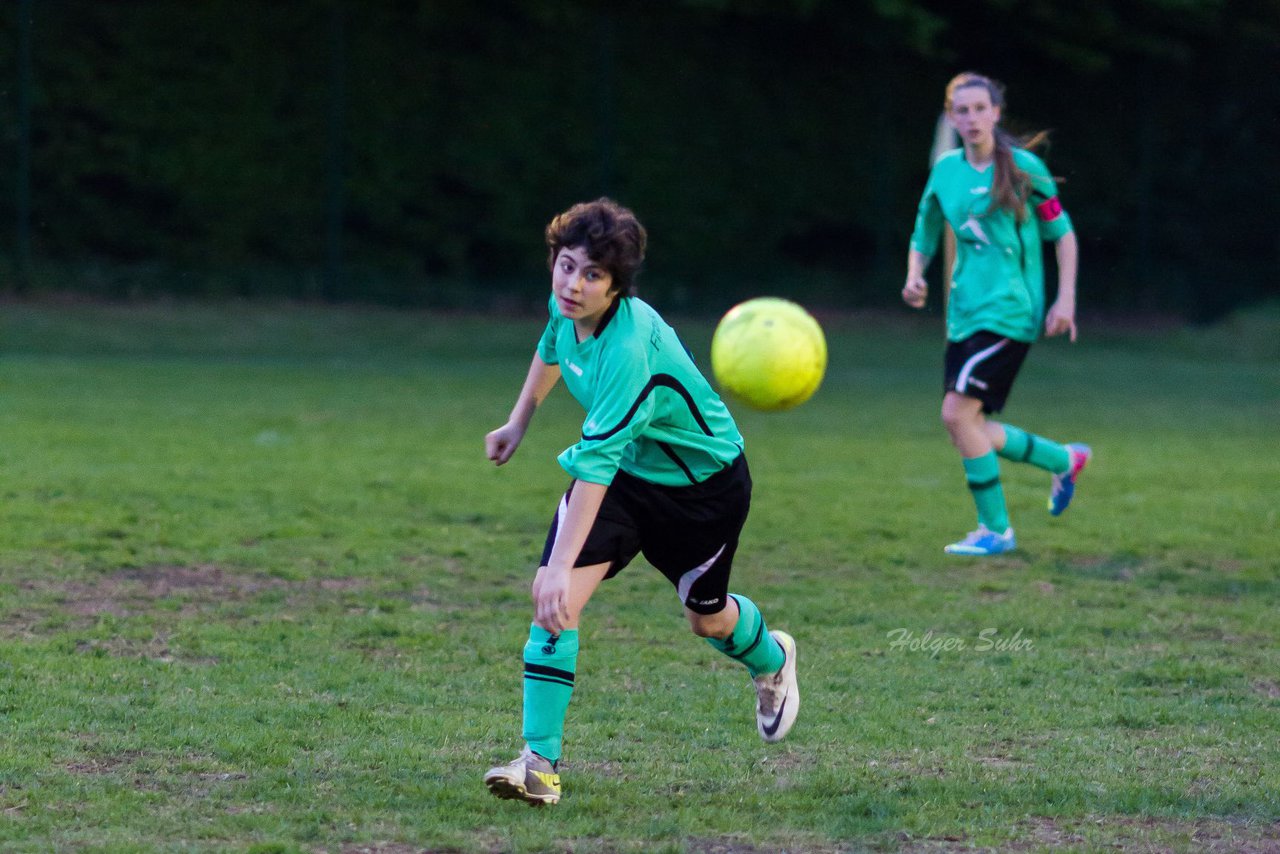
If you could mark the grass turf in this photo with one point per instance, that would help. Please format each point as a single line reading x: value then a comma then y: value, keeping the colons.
x: 259, y: 590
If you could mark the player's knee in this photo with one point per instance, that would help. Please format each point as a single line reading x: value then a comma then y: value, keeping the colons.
x: 952, y: 419
x: 717, y: 625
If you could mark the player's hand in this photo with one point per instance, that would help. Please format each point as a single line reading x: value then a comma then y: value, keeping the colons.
x: 500, y: 444
x: 915, y: 291
x: 1061, y: 318
x: 551, y: 599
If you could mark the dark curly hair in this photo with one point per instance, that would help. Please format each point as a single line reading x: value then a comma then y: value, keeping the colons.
x: 609, y: 233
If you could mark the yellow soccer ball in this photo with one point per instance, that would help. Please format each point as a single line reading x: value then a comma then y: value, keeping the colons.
x: 769, y: 353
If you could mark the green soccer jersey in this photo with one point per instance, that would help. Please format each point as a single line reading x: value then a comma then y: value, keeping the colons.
x: 998, y: 280
x: 650, y: 412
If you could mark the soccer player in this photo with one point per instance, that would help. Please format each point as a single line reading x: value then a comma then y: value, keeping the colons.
x: 1001, y: 202
x: 659, y: 469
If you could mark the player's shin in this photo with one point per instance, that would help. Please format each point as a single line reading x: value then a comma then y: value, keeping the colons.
x: 550, y: 662
x: 750, y: 641
x: 982, y: 474
x: 1023, y: 447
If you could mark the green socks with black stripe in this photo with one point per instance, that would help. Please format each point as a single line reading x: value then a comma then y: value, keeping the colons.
x: 1023, y: 447
x: 983, y: 476
x: 750, y: 641
x: 549, y: 665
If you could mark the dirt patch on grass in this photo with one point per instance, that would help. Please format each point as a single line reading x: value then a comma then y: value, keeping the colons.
x: 1129, y: 833
x: 133, y: 591
x: 1267, y: 688
x: 182, y: 591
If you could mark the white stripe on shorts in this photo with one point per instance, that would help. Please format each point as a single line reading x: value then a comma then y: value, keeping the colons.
x: 561, y: 509
x: 962, y: 381
x: 689, y: 578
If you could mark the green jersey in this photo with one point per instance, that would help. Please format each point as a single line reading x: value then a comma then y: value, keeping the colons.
x: 998, y: 280
x: 650, y: 412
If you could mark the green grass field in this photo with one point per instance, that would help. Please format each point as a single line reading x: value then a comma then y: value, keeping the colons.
x: 261, y: 591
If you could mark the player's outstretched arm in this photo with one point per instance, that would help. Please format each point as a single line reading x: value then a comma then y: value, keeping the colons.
x: 500, y: 444
x: 1061, y: 316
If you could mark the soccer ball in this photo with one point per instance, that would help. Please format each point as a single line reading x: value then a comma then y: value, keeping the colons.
x: 769, y: 353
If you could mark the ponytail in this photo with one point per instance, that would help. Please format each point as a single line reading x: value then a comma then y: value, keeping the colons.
x: 1010, y: 185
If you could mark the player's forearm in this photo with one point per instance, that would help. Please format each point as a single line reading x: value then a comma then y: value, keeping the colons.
x: 537, y: 385
x: 1067, y: 250
x: 917, y: 263
x: 579, y: 516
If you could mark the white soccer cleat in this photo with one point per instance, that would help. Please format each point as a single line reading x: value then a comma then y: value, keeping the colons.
x: 529, y: 778
x: 778, y: 694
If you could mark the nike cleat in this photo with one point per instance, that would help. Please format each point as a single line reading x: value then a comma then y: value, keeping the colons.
x: 778, y: 694
x: 1064, y: 485
x: 530, y: 778
x: 983, y: 542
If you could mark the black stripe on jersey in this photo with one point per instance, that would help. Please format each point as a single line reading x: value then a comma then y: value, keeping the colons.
x: 606, y: 317
x: 665, y: 381
x: 675, y: 458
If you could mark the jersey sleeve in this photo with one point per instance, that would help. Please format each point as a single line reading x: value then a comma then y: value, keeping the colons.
x: 1047, y: 208
x: 928, y: 227
x: 622, y: 409
x: 547, y: 343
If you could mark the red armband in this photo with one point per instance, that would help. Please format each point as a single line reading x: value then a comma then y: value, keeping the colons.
x: 1049, y: 210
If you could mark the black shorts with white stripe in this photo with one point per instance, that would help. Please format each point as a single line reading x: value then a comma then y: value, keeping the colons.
x: 984, y: 366
x: 689, y: 533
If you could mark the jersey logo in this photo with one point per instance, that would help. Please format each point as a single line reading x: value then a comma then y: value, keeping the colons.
x: 1049, y: 210
x: 975, y: 228
x: 573, y: 367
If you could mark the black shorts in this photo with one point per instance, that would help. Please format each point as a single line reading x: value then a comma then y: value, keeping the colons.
x: 984, y: 366
x: 689, y: 533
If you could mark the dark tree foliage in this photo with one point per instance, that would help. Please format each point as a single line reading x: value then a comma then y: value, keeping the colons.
x: 773, y: 145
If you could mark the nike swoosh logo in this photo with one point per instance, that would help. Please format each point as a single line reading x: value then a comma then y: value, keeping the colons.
x: 777, y: 719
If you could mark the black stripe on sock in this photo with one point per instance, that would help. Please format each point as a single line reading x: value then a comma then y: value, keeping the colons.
x: 1031, y: 443
x: 978, y: 486
x: 546, y: 679
x: 754, y: 643
x: 543, y: 670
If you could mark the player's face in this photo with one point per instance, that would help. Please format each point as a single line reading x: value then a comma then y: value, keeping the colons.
x: 582, y: 288
x: 974, y: 116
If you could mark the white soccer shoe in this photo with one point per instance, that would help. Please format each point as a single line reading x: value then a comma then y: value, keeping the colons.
x: 778, y: 694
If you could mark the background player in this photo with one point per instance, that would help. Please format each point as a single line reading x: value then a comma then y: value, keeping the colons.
x: 1001, y: 202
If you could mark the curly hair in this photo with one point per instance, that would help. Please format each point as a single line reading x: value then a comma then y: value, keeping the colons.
x: 609, y: 233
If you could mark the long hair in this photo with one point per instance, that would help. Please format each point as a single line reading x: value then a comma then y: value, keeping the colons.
x: 1010, y: 186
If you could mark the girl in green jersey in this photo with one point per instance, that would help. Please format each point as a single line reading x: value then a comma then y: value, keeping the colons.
x: 658, y: 470
x: 1001, y: 203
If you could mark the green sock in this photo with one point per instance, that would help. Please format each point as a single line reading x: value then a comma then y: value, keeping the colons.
x: 750, y: 641
x: 549, y: 665
x: 1023, y: 447
x: 983, y: 476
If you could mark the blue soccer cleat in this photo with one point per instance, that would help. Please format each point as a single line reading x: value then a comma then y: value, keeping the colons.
x: 1064, y: 485
x: 983, y: 542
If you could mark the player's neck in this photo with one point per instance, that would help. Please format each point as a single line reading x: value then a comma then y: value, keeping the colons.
x: 980, y: 155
